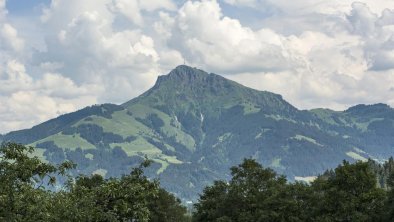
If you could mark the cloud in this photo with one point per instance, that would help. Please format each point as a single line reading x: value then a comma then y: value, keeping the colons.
x: 26, y: 101
x: 377, y: 32
x: 316, y: 53
x: 152, y: 5
x: 133, y: 9
x: 362, y: 19
x: 348, y: 62
x: 23, y: 109
x: 219, y: 43
x: 248, y: 3
x: 303, y: 7
x: 86, y: 60
x: 60, y: 12
x: 15, y: 78
x: 93, y: 48
x: 3, y: 10
x: 130, y: 9
x: 51, y: 66
x: 10, y: 38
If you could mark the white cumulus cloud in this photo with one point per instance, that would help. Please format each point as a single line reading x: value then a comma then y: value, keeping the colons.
x: 220, y: 43
x: 26, y: 101
x: 10, y: 37
x: 76, y: 53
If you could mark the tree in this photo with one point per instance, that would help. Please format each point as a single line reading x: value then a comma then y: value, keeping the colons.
x: 131, y: 197
x: 213, y: 203
x: 350, y: 194
x: 93, y: 198
x: 167, y: 208
x: 253, y: 194
x: 22, y: 183
x: 390, y: 199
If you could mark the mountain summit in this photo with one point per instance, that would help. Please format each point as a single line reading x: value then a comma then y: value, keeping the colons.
x: 186, y: 87
x: 195, y: 125
x: 185, y: 75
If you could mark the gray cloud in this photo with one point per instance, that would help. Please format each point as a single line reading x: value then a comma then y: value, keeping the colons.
x: 377, y: 33
x: 3, y: 10
x: 317, y: 54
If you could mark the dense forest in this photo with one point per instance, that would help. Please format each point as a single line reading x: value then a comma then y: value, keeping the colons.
x: 29, y: 191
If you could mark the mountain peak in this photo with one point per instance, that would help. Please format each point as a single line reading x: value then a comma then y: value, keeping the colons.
x: 183, y: 75
x: 190, y: 87
x: 187, y: 70
x: 189, y: 78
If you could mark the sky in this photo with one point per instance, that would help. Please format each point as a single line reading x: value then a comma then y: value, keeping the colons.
x: 58, y: 56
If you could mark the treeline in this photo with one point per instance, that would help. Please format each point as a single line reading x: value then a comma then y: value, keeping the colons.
x: 24, y: 193
x: 352, y: 192
x: 383, y: 172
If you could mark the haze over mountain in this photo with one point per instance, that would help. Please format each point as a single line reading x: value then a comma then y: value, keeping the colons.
x: 195, y: 125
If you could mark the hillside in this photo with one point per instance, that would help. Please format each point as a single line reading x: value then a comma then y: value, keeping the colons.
x: 195, y: 126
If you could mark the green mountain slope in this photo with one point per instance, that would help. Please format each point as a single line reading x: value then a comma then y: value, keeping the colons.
x: 195, y: 125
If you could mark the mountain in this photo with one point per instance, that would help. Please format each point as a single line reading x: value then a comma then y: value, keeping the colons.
x: 195, y: 126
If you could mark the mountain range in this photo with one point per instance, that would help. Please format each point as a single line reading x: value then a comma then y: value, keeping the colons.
x: 194, y: 126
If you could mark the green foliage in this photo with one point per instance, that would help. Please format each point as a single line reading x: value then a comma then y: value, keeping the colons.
x: 350, y: 194
x: 22, y: 181
x: 254, y: 193
x: 384, y: 172
x: 258, y: 194
x: 390, y: 199
x: 167, y: 208
x: 110, y: 200
x: 131, y: 197
x: 24, y: 197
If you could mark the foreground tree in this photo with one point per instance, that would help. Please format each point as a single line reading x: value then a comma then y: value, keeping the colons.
x: 389, y: 215
x: 24, y: 197
x: 92, y: 198
x: 22, y: 183
x: 253, y: 194
x: 350, y: 194
x: 167, y: 208
x: 132, y: 197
